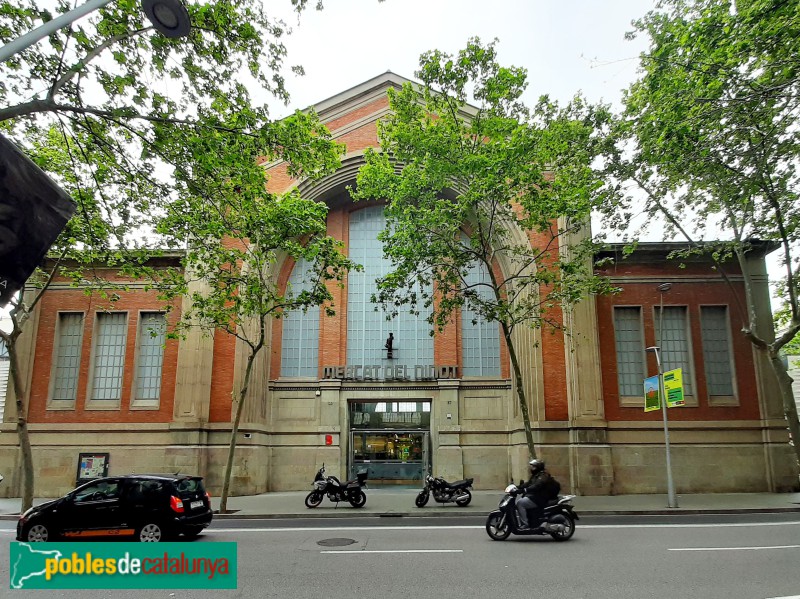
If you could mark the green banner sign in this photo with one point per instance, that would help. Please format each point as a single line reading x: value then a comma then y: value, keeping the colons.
x: 123, y: 566
x: 652, y: 397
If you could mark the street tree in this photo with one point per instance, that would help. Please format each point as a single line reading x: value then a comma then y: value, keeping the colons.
x: 100, y: 106
x: 474, y: 179
x: 708, y: 145
x: 239, y: 234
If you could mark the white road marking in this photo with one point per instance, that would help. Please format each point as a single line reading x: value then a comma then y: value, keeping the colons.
x: 578, y: 527
x: 355, y: 551
x: 792, y: 597
x: 754, y: 548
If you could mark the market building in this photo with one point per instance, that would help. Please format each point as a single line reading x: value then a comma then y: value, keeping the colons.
x: 356, y: 391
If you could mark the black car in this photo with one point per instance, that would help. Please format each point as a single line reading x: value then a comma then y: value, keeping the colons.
x: 149, y: 508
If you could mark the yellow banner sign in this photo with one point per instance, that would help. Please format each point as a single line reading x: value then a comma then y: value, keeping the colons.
x: 673, y: 388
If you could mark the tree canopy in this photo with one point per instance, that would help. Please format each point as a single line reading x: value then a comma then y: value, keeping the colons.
x: 473, y: 178
x: 708, y: 141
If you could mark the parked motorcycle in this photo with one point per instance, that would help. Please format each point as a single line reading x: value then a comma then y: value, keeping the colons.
x: 445, y: 492
x: 336, y: 491
x: 556, y: 519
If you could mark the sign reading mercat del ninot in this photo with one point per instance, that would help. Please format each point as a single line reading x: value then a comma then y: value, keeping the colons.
x: 369, y: 372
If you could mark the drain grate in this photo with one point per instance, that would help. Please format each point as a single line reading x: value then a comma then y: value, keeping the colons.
x: 335, y: 542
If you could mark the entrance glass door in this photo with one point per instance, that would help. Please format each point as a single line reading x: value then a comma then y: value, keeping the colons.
x: 390, y: 440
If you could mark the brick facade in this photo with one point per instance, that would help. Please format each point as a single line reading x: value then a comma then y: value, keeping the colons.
x: 593, y: 441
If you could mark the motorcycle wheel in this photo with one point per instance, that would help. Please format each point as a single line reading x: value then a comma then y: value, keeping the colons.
x: 313, y: 499
x: 464, y: 501
x: 422, y: 499
x: 497, y: 528
x: 569, y: 527
x: 358, y: 499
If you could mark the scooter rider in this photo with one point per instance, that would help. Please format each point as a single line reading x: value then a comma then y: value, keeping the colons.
x: 536, y: 483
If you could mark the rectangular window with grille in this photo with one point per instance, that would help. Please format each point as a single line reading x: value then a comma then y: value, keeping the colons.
x: 67, y: 360
x: 630, y: 351
x: 109, y: 356
x: 150, y: 358
x: 676, y: 351
x: 717, y: 355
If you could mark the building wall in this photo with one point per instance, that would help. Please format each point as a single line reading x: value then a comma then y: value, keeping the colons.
x: 592, y: 443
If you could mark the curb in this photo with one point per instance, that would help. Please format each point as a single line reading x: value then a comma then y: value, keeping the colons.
x: 464, y: 514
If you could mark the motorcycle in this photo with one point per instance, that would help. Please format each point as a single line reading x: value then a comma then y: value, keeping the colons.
x: 445, y: 492
x: 556, y: 519
x: 336, y: 491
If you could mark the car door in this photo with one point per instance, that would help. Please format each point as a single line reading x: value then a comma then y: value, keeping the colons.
x: 93, y: 510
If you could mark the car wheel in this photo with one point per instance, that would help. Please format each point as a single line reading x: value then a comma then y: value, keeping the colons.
x: 38, y: 533
x: 150, y: 532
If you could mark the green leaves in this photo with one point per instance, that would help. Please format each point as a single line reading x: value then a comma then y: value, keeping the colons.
x: 517, y: 182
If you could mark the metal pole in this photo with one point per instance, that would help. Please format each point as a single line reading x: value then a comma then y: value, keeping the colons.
x: 672, y: 499
x: 30, y: 38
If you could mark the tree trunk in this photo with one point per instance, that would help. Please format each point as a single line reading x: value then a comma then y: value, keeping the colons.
x: 22, y: 427
x: 226, y: 483
x: 523, y: 402
x: 789, y: 405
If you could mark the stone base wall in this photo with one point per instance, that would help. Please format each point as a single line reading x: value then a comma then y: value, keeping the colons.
x: 262, y: 464
x: 695, y: 469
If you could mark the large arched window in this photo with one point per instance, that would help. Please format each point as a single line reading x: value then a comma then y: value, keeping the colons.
x: 300, y: 345
x: 480, y: 338
x: 367, y: 327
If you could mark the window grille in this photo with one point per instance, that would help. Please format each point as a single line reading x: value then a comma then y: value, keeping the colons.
x: 675, y: 348
x: 716, y: 349
x: 367, y: 326
x: 480, y: 338
x: 630, y: 350
x: 300, y: 344
x: 68, y: 356
x: 149, y: 362
x: 109, y: 356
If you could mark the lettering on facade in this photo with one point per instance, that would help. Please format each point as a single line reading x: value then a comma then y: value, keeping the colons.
x: 376, y: 372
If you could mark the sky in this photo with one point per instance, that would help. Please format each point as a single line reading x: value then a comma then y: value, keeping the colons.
x: 566, y: 46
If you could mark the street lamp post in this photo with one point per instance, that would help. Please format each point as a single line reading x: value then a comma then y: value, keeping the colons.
x: 672, y: 499
x: 169, y: 17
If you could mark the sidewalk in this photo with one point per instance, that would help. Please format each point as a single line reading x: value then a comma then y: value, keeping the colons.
x: 393, y: 502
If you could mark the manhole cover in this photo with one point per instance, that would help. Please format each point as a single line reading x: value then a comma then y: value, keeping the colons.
x: 335, y: 542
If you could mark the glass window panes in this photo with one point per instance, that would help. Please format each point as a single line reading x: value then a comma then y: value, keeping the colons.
x: 109, y: 356
x: 716, y: 350
x: 68, y: 356
x: 630, y: 350
x: 674, y: 343
x: 367, y: 327
x: 300, y: 343
x: 480, y: 338
x: 152, y: 331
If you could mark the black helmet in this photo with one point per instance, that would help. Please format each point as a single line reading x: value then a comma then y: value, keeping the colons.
x: 536, y: 466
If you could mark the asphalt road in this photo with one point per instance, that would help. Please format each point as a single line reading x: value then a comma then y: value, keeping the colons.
x: 710, y: 557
